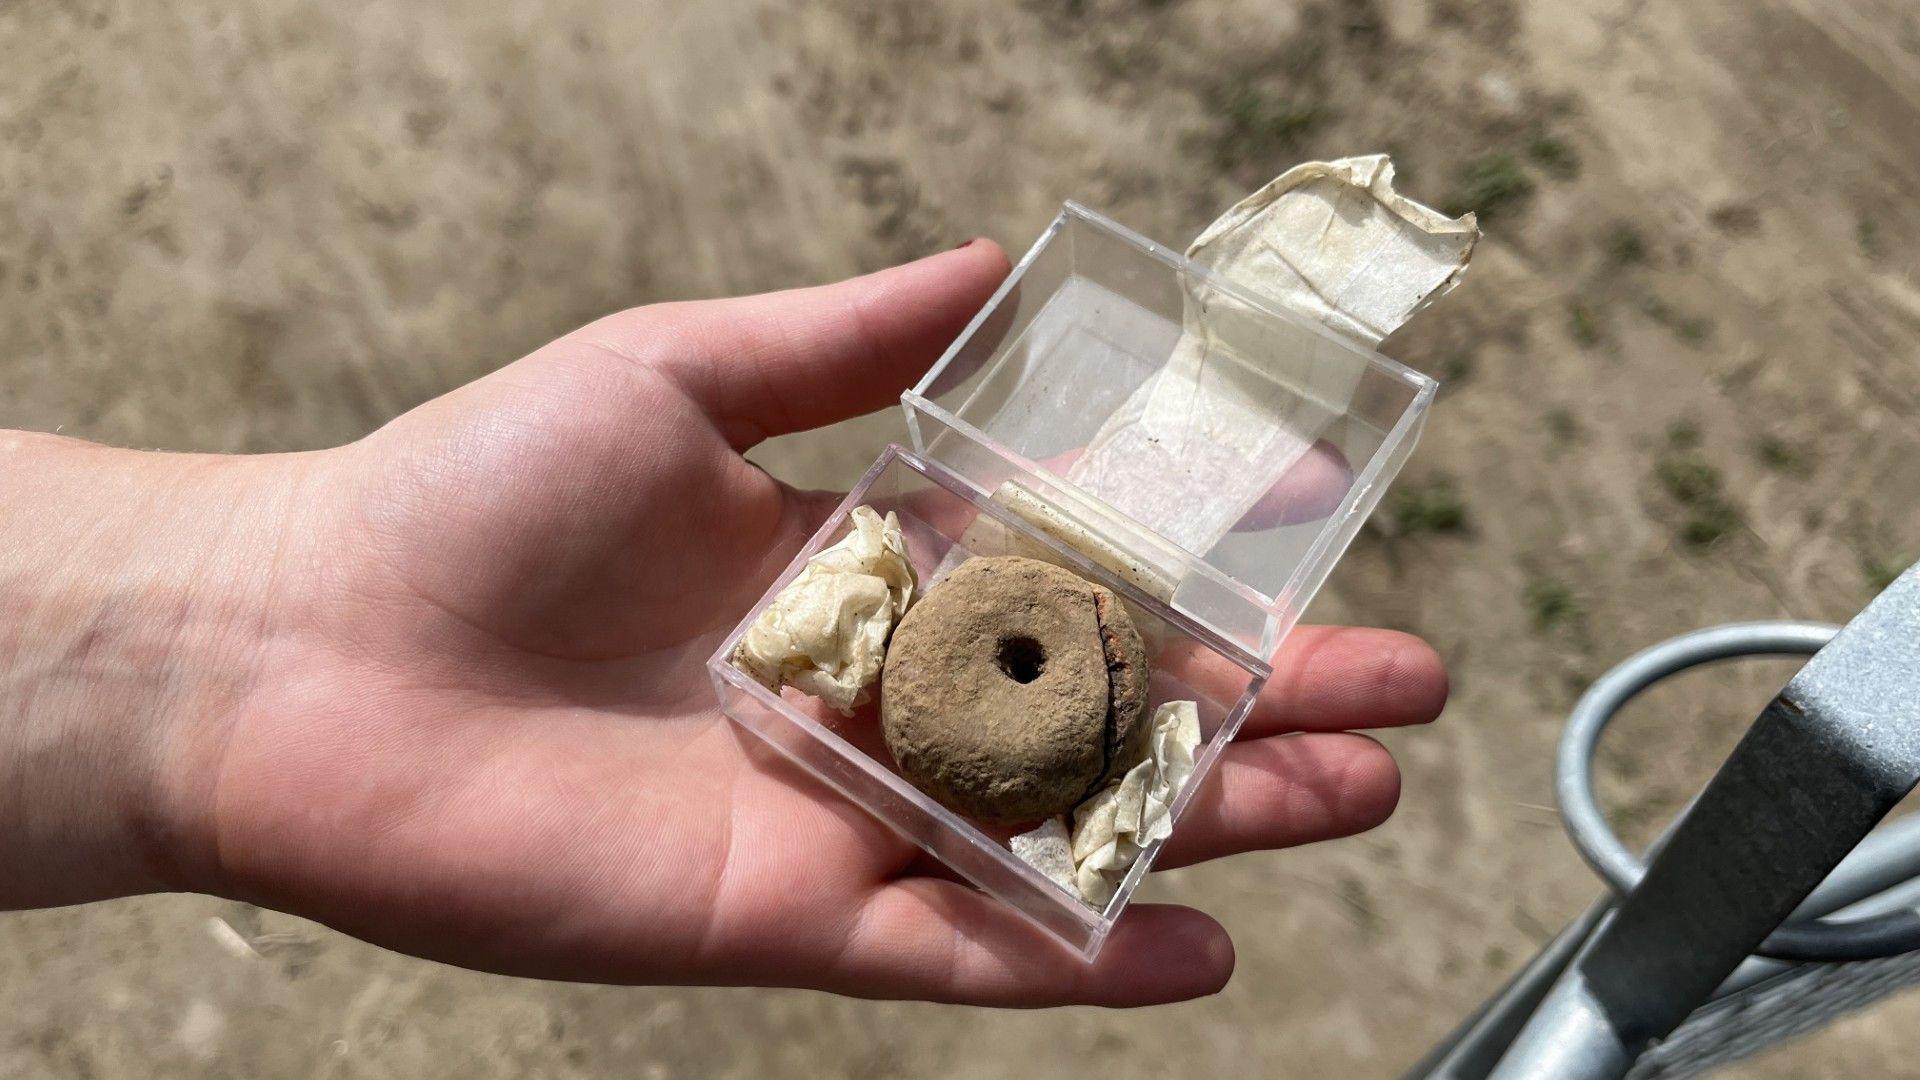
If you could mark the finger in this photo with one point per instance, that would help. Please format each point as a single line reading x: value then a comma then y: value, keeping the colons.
x: 1325, y: 678
x: 939, y: 941
x: 1343, y: 678
x: 788, y: 361
x: 1283, y: 792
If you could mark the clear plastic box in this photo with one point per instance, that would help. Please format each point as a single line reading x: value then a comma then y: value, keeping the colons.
x: 1087, y: 326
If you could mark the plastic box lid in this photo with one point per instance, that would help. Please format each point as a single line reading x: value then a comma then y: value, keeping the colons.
x: 1226, y: 481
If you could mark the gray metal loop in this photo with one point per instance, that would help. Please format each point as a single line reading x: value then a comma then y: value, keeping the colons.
x: 1799, y: 939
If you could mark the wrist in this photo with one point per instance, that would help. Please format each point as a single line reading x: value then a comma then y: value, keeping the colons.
x: 139, y: 593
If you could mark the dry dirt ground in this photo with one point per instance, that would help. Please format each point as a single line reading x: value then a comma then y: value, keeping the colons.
x: 1682, y: 387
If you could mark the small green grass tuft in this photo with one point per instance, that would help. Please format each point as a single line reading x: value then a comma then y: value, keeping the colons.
x: 1781, y: 456
x: 1690, y: 480
x: 1260, y: 125
x: 1867, y: 232
x: 1457, y: 366
x: 1552, y: 605
x: 1555, y: 156
x: 1583, y: 324
x: 1625, y: 245
x: 1880, y: 572
x: 1434, y: 506
x: 1123, y: 60
x: 1708, y: 525
x: 1563, y: 425
x: 1490, y: 186
x: 1693, y: 329
x: 1683, y: 434
x: 1696, y: 486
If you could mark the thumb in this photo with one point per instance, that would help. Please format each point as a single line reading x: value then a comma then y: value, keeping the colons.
x: 779, y: 362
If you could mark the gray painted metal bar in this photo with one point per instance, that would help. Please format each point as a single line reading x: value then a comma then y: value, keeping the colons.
x: 1827, y: 759
x: 1471, y: 1050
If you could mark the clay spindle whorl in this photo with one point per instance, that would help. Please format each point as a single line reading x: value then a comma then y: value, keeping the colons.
x: 1013, y: 690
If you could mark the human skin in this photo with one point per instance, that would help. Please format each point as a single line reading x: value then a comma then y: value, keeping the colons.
x: 443, y: 689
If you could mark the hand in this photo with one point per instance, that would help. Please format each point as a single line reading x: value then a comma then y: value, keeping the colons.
x: 443, y: 688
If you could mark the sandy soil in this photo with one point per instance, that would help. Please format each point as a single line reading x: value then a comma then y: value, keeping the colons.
x: 1681, y: 388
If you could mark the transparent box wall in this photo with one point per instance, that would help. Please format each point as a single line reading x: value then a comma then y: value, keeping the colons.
x: 945, y: 522
x: 1090, y: 324
x: 1214, y: 557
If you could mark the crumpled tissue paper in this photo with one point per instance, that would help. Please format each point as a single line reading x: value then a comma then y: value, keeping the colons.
x: 1115, y: 824
x: 1244, y: 395
x: 826, y: 633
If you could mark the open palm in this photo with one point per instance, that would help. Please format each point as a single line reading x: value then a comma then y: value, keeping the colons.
x: 480, y: 728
